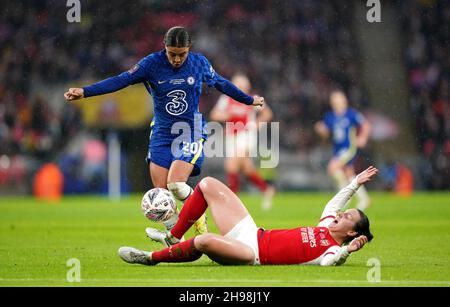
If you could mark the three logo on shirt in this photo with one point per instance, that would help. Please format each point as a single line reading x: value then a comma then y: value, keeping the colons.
x: 178, y: 105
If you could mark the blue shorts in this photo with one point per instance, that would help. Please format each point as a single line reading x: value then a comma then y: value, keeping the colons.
x: 346, y: 155
x: 161, y: 154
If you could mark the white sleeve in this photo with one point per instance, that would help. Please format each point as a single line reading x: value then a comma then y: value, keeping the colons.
x: 335, y: 257
x: 337, y: 203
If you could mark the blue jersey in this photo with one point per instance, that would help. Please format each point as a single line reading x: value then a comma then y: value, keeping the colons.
x: 176, y: 91
x: 343, y: 129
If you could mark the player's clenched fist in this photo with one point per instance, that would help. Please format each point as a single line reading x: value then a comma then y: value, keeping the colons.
x: 74, y: 93
x: 258, y: 101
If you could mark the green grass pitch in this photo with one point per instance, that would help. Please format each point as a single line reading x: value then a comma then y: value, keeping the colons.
x: 412, y: 244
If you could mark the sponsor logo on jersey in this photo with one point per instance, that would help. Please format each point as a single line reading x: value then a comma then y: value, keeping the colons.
x: 190, y: 80
x: 177, y: 81
x: 304, y: 237
x: 161, y: 82
x: 308, y: 236
x: 178, y: 105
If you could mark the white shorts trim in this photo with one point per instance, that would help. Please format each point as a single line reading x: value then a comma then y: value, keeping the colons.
x: 246, y: 232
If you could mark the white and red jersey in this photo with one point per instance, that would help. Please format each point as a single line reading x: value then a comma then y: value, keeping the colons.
x: 302, y: 245
x: 240, y: 115
x: 307, y: 245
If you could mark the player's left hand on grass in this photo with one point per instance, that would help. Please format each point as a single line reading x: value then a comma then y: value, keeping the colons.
x: 366, y: 175
x: 357, y: 244
x: 258, y: 100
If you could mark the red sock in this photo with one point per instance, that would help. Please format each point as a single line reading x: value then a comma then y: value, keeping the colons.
x: 181, y: 252
x: 257, y: 180
x: 233, y: 182
x: 192, y: 210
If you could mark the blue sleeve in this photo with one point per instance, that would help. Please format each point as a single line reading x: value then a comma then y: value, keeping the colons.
x: 211, y: 78
x: 231, y: 90
x: 137, y: 74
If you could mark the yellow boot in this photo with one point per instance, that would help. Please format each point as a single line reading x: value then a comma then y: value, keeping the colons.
x: 201, y: 226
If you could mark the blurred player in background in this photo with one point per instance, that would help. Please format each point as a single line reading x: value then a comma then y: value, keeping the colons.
x: 349, y: 131
x: 241, y: 242
x: 241, y: 138
x: 174, y: 77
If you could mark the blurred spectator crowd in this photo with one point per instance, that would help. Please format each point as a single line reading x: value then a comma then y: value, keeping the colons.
x: 293, y: 51
x: 426, y: 25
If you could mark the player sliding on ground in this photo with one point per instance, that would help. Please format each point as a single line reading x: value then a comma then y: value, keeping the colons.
x: 337, y: 235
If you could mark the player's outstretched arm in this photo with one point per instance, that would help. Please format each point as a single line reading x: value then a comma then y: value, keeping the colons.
x: 344, y: 195
x: 106, y: 86
x: 228, y: 88
x: 134, y: 75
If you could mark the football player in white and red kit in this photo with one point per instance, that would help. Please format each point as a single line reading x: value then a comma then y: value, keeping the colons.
x: 337, y: 235
x: 241, y: 136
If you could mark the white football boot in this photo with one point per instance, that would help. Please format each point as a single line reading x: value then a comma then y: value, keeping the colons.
x: 163, y: 237
x: 133, y: 255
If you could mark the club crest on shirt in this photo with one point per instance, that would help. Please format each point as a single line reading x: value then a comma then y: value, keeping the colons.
x: 190, y: 80
x: 324, y: 242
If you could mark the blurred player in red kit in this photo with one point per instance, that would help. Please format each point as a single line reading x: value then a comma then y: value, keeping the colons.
x: 337, y: 235
x: 241, y: 137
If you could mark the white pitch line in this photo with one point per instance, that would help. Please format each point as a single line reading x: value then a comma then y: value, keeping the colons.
x: 199, y: 280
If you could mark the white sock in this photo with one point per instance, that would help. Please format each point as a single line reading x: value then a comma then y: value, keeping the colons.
x: 170, y: 223
x: 180, y: 190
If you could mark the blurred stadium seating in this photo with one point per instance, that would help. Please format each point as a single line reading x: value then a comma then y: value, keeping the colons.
x: 293, y: 51
x: 426, y: 25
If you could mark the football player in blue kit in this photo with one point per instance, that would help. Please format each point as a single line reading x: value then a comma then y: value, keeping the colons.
x: 349, y: 131
x: 174, y: 77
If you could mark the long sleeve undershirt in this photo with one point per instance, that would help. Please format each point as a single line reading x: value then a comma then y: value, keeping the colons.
x: 330, y: 212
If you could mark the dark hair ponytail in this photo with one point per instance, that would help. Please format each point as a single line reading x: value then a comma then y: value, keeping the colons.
x: 177, y: 37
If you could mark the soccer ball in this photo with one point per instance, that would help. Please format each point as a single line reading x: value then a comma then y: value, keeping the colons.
x: 158, y: 205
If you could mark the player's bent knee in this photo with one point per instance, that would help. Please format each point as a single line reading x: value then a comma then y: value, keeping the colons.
x: 204, y: 242
x: 205, y: 182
